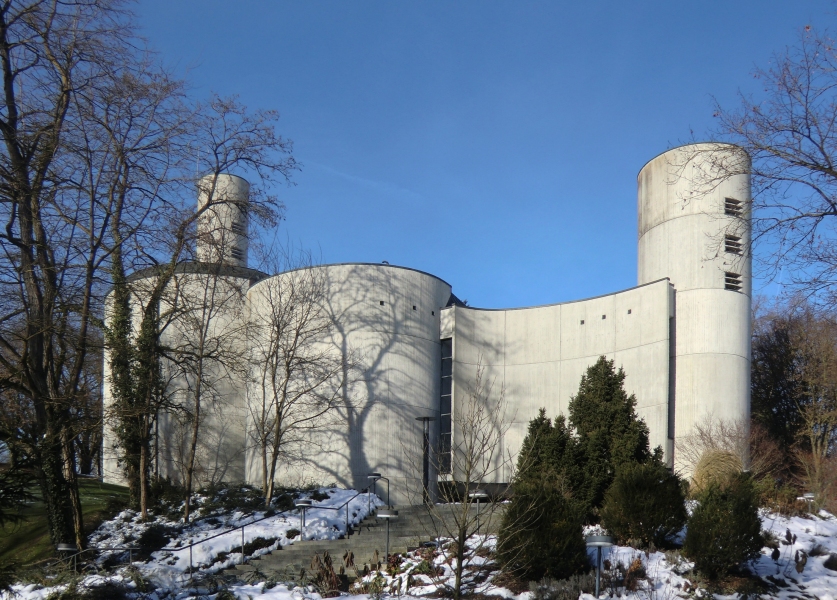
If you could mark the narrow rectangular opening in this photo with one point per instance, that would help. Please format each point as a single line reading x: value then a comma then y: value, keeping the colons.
x: 733, y: 207
x: 236, y: 253
x: 732, y: 244
x: 732, y: 281
x: 445, y: 407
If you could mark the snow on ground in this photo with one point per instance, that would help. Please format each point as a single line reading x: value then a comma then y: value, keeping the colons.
x: 796, y: 566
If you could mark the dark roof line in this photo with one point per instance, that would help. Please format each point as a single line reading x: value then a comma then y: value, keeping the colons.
x: 636, y: 287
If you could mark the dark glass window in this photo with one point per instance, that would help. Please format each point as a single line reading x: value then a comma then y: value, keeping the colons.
x: 445, y: 406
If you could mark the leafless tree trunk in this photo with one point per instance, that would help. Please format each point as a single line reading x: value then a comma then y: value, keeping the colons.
x: 208, y: 354
x: 298, y: 374
x: 476, y: 458
x: 55, y: 237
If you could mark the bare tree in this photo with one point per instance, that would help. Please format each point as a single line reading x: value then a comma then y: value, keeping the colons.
x: 789, y: 132
x: 816, y: 340
x: 749, y: 443
x: 475, y: 458
x: 229, y: 138
x: 204, y: 358
x: 298, y: 375
x: 55, y: 237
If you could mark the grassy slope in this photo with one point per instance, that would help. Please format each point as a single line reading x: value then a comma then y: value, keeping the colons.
x: 28, y: 541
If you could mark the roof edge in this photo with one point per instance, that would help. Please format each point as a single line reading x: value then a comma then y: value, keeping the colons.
x: 570, y: 301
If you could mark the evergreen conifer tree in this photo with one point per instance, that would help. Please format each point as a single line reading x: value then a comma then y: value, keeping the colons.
x: 609, y: 433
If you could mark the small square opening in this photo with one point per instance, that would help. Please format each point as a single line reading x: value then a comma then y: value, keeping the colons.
x: 582, y: 321
x: 629, y: 311
x: 382, y: 302
x: 604, y: 317
x: 414, y: 307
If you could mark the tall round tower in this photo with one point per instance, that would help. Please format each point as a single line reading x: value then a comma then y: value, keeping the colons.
x: 222, y: 227
x: 694, y: 228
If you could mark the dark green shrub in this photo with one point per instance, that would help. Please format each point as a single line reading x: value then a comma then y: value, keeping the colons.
x: 257, y: 544
x: 724, y: 529
x: 608, y: 431
x: 645, y: 505
x: 540, y: 535
x: 154, y: 538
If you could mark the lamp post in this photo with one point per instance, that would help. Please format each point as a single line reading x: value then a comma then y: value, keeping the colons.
x: 477, y: 496
x: 598, y: 542
x: 425, y: 458
x: 303, y: 504
x: 808, y: 498
x: 387, y: 514
x: 373, y: 477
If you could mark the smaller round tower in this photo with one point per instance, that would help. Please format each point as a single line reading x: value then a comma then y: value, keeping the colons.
x: 694, y: 229
x: 222, y: 226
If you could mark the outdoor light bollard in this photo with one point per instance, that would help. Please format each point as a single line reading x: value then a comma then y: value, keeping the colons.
x: 303, y: 504
x: 808, y: 498
x: 598, y: 542
x: 242, y: 544
x: 388, y: 515
x: 477, y: 496
x: 66, y: 549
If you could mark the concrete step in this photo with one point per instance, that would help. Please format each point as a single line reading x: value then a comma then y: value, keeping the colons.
x: 413, y: 527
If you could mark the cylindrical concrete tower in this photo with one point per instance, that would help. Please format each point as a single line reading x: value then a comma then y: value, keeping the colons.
x: 386, y: 322
x: 694, y: 228
x: 222, y: 228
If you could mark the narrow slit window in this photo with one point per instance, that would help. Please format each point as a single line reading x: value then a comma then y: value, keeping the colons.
x: 732, y: 281
x: 732, y: 244
x: 604, y: 317
x: 236, y: 253
x: 733, y: 207
x: 629, y: 311
x: 582, y: 321
x: 382, y: 302
x: 445, y: 407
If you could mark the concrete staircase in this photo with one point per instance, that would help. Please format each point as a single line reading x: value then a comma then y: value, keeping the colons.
x: 414, y: 527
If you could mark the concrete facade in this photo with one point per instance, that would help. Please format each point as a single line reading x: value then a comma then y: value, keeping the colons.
x: 682, y: 336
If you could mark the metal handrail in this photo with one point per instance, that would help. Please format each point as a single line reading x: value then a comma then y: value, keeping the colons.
x: 232, y: 529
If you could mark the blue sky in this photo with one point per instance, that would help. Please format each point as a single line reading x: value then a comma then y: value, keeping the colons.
x: 494, y: 144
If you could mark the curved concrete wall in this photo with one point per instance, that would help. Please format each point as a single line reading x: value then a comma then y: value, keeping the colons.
x: 389, y: 316
x: 538, y: 355
x: 203, y: 313
x: 682, y: 229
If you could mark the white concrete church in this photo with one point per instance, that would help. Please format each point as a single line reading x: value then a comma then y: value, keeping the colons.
x: 682, y: 336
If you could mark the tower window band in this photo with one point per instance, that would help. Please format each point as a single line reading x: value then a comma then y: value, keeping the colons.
x: 445, y: 406
x: 732, y: 281
x: 732, y: 244
x: 733, y: 207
